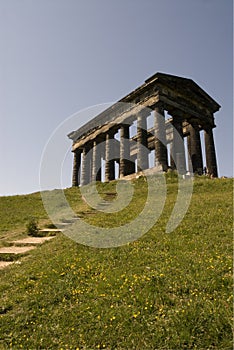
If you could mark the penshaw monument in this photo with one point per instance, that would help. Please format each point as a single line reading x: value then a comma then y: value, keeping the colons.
x: 181, y: 112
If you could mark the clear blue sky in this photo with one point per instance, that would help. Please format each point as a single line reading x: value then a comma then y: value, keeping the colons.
x: 60, y: 56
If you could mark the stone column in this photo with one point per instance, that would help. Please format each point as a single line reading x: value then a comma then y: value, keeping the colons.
x: 85, y: 174
x: 211, y: 163
x: 172, y: 161
x: 189, y: 158
x: 142, y: 143
x: 96, y: 162
x: 76, y: 168
x: 161, y: 161
x: 178, y: 152
x: 194, y: 149
x: 110, y: 163
x: 124, y: 165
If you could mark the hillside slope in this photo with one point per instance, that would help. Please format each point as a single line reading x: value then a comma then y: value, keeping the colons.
x: 163, y: 291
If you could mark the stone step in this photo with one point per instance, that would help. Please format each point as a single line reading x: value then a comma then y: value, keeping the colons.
x: 15, y: 250
x: 48, y: 230
x: 67, y: 223
x: 5, y: 264
x: 104, y: 203
x: 61, y: 224
x: 31, y: 240
x: 71, y: 221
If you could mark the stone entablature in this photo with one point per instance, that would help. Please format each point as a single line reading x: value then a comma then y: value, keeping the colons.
x: 191, y: 110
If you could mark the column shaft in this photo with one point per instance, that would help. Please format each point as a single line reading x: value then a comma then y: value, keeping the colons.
x: 160, y: 139
x: 211, y: 162
x: 142, y: 143
x: 110, y: 163
x: 178, y: 153
x: 172, y: 161
x: 96, y: 163
x: 190, y: 164
x: 76, y: 168
x: 85, y: 178
x: 195, y: 150
x: 124, y: 165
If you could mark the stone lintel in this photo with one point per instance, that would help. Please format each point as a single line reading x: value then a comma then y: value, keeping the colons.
x: 179, y: 89
x: 175, y: 108
x: 191, y: 109
x: 183, y: 112
x: 125, y: 118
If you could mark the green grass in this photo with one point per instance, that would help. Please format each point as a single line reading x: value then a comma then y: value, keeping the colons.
x: 15, y: 212
x: 163, y: 291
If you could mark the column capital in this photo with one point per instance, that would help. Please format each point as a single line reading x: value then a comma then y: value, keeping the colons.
x: 77, y: 151
x: 177, y: 120
x: 110, y: 133
x: 209, y: 128
x: 159, y: 104
x: 144, y: 113
x: 87, y: 146
x: 195, y: 125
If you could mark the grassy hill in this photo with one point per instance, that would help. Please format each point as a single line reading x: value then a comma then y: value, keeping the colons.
x: 163, y: 291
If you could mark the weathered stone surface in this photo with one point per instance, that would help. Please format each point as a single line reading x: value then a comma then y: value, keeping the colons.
x: 194, y: 149
x: 96, y: 171
x: 210, y: 153
x: 15, y: 250
x: 76, y: 168
x: 191, y: 110
x: 142, y: 143
x: 32, y: 240
x: 4, y: 264
x: 86, y: 165
x: 178, y: 151
x: 110, y: 163
x: 125, y: 167
x: 160, y: 138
